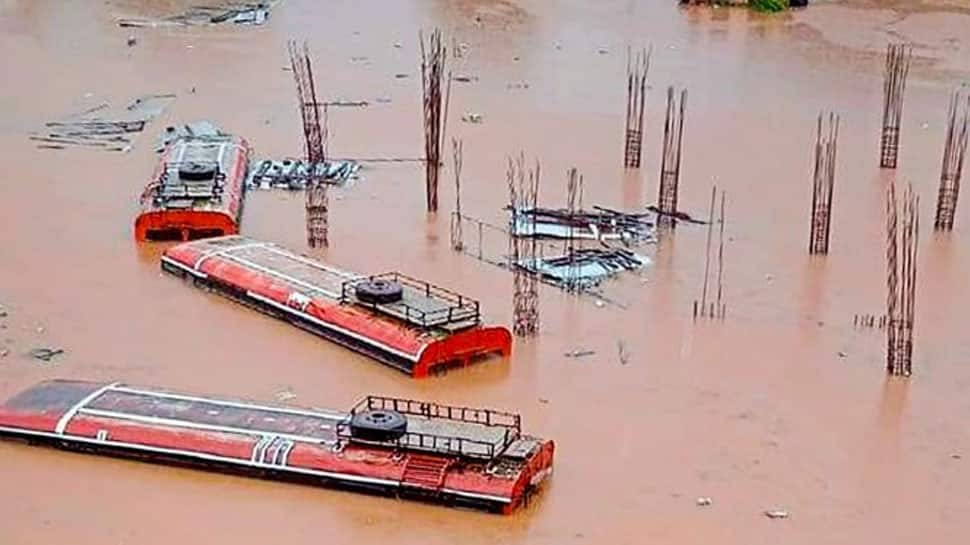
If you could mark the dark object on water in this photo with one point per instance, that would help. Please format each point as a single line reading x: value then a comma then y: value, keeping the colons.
x: 45, y: 354
x: 682, y: 216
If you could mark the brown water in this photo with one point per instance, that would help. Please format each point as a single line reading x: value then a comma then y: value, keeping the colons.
x: 758, y: 412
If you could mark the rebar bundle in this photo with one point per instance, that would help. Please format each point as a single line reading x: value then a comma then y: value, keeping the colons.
x: 574, y: 205
x: 433, y: 57
x: 717, y: 308
x: 523, y: 195
x: 954, y: 151
x: 670, y: 158
x: 636, y: 94
x: 901, y: 250
x: 898, y: 57
x: 826, y: 144
x: 317, y: 213
x: 314, y: 138
x: 457, y: 237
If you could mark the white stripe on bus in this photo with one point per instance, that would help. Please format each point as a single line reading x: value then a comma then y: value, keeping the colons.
x: 67, y: 416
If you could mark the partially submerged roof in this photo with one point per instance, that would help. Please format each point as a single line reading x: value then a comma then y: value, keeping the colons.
x: 417, y: 328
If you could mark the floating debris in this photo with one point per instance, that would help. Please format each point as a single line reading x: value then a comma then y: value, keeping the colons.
x: 704, y: 502
x: 621, y: 352
x: 579, y: 353
x: 89, y: 130
x: 584, y: 268
x: 45, y: 354
x: 600, y: 224
x: 240, y: 13
x: 286, y: 394
x: 294, y: 174
x: 465, y: 79
x: 682, y: 216
x: 777, y: 514
x: 347, y: 103
x: 472, y: 118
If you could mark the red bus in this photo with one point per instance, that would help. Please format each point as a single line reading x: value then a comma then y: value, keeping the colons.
x: 196, y: 191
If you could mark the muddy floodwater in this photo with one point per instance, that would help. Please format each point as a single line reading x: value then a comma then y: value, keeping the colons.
x: 783, y: 405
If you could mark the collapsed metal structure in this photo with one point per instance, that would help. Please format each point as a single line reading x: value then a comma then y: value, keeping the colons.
x: 523, y: 194
x: 826, y: 144
x: 433, y: 57
x: 954, y: 151
x: 600, y: 224
x: 898, y: 57
x: 670, y: 157
x: 314, y: 137
x: 100, y: 127
x: 636, y: 93
x: 901, y: 248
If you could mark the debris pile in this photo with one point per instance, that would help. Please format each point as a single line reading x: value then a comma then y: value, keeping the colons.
x: 240, y: 13
x: 92, y: 129
x: 600, y: 224
x: 295, y: 174
x: 583, y: 268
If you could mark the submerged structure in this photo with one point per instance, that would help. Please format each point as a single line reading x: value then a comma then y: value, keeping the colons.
x: 599, y: 224
x: 296, y: 174
x: 449, y: 455
x: 409, y: 324
x: 583, y: 268
x: 197, y: 190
